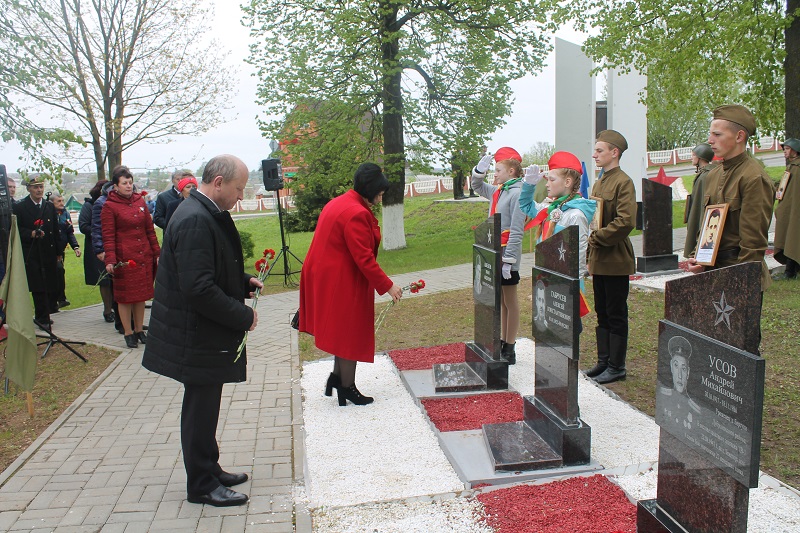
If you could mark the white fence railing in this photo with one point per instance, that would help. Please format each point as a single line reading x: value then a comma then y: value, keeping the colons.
x: 684, y: 154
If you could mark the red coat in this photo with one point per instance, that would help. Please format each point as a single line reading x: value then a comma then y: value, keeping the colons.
x: 339, y: 279
x: 128, y: 234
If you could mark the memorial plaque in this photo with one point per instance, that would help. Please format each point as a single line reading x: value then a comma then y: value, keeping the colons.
x: 709, y: 403
x: 552, y: 414
x: 487, y: 369
x: 710, y: 397
x: 656, y: 228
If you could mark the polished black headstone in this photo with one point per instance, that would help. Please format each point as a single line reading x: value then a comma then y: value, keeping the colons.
x: 553, y: 412
x: 709, y: 403
x: 515, y: 446
x: 657, y: 228
x: 483, y: 355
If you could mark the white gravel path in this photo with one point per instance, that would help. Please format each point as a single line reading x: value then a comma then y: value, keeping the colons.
x: 456, y: 515
x: 382, y: 451
x: 770, y: 510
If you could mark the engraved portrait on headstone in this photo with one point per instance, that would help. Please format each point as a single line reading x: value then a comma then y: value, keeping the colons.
x: 540, y: 316
x: 676, y: 408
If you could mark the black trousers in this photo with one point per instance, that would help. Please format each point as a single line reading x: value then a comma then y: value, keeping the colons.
x: 199, y: 418
x: 611, y: 303
x: 41, y: 306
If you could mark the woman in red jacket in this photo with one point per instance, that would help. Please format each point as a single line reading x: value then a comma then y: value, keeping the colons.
x: 339, y: 279
x: 131, y: 252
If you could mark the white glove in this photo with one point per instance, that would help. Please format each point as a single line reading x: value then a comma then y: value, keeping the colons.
x: 532, y: 175
x: 484, y: 163
x: 506, y: 271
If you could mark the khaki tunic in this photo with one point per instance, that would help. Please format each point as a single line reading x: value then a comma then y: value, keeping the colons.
x: 787, y: 217
x: 610, y: 250
x: 695, y: 210
x: 747, y: 189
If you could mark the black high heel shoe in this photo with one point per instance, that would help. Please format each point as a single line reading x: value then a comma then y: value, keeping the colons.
x: 352, y: 393
x: 141, y: 336
x: 333, y: 383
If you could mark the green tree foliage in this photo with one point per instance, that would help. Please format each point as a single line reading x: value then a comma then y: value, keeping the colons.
x: 397, y: 77
x: 711, y: 52
x: 113, y: 72
x: 538, y: 154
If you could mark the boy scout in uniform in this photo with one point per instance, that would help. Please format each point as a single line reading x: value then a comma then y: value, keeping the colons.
x: 610, y: 258
x: 743, y: 184
x: 787, y: 214
x: 702, y: 154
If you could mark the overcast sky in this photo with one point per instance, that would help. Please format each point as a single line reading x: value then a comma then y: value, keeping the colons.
x: 532, y: 118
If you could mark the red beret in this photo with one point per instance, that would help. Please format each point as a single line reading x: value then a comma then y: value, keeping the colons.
x: 507, y: 153
x: 565, y: 160
x: 186, y: 181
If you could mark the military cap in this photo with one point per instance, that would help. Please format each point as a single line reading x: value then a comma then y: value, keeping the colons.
x: 703, y: 151
x: 679, y: 346
x: 792, y: 143
x: 613, y: 137
x: 738, y: 114
x: 34, y: 179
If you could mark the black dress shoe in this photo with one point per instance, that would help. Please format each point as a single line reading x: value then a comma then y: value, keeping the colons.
x: 230, y: 480
x: 354, y: 395
x: 130, y: 340
x: 63, y: 303
x: 109, y: 317
x: 141, y: 336
x: 220, y: 497
x: 120, y: 329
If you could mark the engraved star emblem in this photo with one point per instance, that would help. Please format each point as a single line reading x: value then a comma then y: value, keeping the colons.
x: 723, y: 311
x: 561, y: 252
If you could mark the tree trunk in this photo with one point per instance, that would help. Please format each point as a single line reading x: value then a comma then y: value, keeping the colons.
x: 791, y: 68
x: 393, y: 143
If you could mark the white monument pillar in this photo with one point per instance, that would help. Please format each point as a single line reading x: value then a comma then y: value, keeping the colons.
x: 627, y: 115
x: 575, y: 103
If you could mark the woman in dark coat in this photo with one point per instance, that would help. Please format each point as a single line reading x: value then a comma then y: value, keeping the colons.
x: 131, y: 252
x: 339, y: 279
x: 92, y: 266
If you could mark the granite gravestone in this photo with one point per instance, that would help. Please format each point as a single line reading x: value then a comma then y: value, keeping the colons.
x: 657, y: 228
x: 709, y: 403
x: 551, y: 434
x: 484, y: 367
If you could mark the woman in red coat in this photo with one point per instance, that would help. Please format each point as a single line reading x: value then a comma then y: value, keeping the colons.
x: 339, y: 279
x: 131, y: 252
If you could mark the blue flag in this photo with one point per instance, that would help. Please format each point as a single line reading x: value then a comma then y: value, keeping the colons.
x: 584, y: 181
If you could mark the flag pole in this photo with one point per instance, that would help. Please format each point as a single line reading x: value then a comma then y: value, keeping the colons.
x: 29, y: 397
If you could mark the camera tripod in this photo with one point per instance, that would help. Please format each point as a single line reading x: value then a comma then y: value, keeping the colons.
x: 285, y: 252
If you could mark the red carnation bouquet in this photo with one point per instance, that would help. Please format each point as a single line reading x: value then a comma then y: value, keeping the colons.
x: 130, y: 263
x: 414, y: 287
x: 263, y: 268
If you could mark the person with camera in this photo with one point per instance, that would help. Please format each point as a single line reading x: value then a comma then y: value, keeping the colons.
x: 39, y: 236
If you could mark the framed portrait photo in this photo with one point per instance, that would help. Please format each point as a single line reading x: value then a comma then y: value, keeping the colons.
x: 597, y: 220
x: 782, y: 185
x: 711, y: 234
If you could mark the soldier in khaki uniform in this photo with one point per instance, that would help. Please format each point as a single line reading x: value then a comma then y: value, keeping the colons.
x: 742, y: 183
x: 702, y: 154
x: 610, y: 257
x: 787, y: 214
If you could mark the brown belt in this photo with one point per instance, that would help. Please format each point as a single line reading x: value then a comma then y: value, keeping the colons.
x: 728, y: 253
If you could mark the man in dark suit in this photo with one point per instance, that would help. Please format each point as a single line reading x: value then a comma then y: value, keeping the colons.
x: 167, y: 197
x: 199, y: 320
x: 39, y: 235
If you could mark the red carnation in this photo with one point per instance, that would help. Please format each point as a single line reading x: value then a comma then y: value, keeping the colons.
x: 131, y: 263
x: 269, y: 252
x: 260, y: 264
x: 38, y: 222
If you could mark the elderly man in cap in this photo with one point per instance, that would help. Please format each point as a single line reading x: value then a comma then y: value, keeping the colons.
x: 702, y: 154
x: 610, y: 257
x: 787, y: 214
x: 167, y: 197
x: 743, y: 184
x: 39, y: 235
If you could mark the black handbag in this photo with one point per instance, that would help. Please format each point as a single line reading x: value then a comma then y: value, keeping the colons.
x: 296, y: 320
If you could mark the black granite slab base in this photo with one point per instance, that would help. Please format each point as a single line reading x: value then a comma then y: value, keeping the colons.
x: 515, y: 446
x: 650, y: 518
x: 456, y: 377
x: 494, y: 371
x: 656, y: 263
x: 572, y: 441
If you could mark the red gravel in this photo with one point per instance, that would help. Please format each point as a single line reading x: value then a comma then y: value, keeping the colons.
x: 424, y: 358
x: 592, y: 504
x: 461, y: 414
